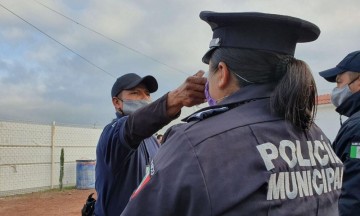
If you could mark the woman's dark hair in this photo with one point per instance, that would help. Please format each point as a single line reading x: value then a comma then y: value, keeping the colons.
x: 294, y: 96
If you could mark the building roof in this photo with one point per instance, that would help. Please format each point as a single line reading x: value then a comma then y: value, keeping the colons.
x: 323, y: 99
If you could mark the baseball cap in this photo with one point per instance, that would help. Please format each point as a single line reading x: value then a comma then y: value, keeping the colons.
x: 350, y: 63
x: 131, y: 80
x: 259, y: 31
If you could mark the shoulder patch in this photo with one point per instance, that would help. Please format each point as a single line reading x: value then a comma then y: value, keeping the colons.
x: 355, y: 150
x: 150, y: 171
x: 144, y: 181
x: 152, y: 168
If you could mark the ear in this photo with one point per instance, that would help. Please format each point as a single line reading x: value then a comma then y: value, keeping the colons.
x: 357, y: 84
x: 117, y: 103
x: 224, y: 75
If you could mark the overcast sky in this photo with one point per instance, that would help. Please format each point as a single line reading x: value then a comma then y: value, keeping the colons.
x: 42, y: 81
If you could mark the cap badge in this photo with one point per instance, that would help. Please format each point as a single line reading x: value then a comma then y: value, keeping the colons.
x: 215, y: 42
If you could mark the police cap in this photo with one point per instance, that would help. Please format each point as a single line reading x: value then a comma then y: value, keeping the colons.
x: 259, y: 31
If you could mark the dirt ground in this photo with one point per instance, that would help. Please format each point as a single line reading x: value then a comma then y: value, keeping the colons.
x: 68, y: 202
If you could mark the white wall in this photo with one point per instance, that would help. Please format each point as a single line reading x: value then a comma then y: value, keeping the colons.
x: 26, y: 151
x: 328, y: 120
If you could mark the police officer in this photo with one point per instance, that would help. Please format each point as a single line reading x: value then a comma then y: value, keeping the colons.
x: 255, y: 150
x: 126, y: 145
x: 346, y: 97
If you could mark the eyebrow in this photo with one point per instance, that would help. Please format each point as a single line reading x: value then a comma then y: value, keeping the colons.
x: 139, y: 89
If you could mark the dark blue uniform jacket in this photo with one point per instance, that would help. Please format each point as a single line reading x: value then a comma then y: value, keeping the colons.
x: 347, y: 147
x: 125, y: 147
x: 237, y: 158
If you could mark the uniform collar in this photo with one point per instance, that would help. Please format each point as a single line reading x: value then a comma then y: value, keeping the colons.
x: 119, y: 115
x: 243, y: 95
x: 250, y: 92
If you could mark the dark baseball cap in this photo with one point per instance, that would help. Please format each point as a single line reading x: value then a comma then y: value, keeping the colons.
x: 131, y: 80
x: 259, y: 31
x: 350, y: 63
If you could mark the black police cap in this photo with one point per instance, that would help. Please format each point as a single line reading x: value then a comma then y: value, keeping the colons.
x: 131, y: 80
x: 259, y: 31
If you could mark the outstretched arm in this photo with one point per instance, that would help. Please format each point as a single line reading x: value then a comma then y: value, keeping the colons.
x: 147, y: 120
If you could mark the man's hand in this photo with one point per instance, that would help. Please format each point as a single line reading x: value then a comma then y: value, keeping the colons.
x: 190, y: 93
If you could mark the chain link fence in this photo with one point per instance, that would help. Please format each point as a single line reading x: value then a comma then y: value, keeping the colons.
x: 30, y: 154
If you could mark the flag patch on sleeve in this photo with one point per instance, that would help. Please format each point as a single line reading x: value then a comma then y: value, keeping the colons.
x: 355, y: 150
x: 150, y: 171
x: 145, y: 180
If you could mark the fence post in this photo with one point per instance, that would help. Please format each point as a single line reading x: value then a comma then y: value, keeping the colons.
x: 52, y: 154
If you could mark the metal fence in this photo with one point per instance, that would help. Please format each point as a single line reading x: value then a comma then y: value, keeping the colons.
x: 30, y: 155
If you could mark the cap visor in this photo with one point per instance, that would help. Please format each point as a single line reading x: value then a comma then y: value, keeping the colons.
x: 149, y: 81
x: 330, y: 74
x: 207, y: 56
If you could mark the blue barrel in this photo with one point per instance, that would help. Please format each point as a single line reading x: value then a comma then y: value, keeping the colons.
x: 85, y: 174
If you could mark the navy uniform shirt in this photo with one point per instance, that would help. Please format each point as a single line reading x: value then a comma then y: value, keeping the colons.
x: 347, y: 146
x: 239, y: 159
x: 126, y: 146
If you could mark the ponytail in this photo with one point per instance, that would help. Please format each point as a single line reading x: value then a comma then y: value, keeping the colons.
x: 295, y: 92
x: 295, y: 95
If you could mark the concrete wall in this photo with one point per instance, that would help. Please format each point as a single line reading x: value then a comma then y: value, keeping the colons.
x: 30, y: 155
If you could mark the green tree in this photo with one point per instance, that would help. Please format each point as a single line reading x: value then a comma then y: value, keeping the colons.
x: 61, y: 169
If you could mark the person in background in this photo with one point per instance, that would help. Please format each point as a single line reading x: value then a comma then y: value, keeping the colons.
x: 126, y: 145
x: 159, y: 138
x: 346, y: 98
x: 256, y: 149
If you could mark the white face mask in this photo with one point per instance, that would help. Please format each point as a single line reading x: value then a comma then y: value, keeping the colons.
x: 339, y: 95
x: 130, y: 106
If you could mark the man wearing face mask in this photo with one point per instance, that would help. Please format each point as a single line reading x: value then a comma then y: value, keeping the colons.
x: 126, y: 146
x: 346, y: 97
